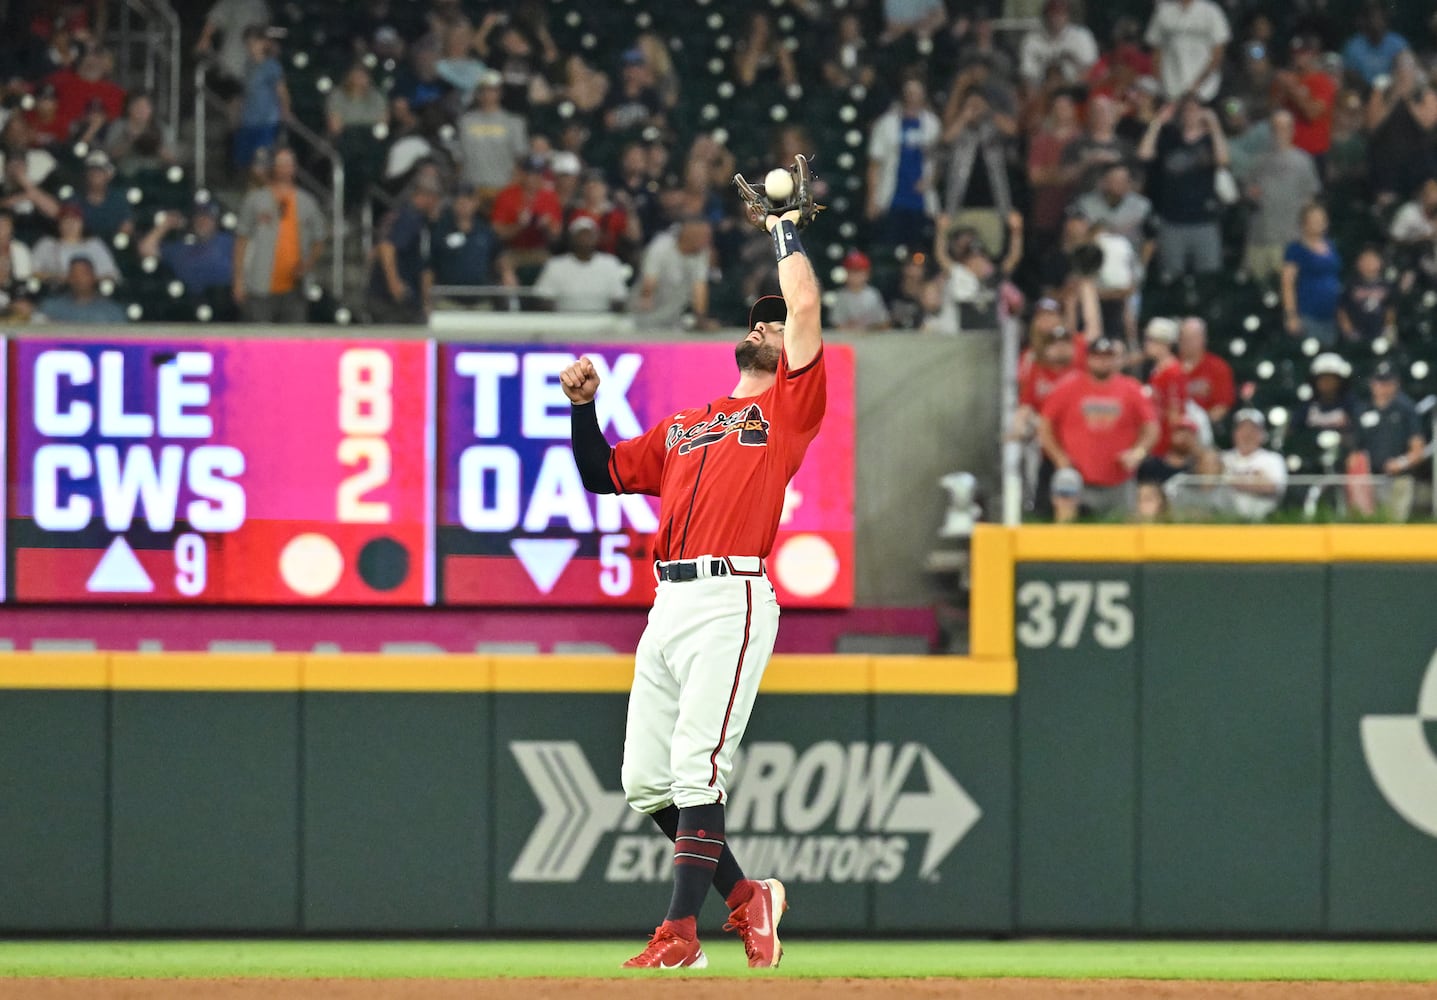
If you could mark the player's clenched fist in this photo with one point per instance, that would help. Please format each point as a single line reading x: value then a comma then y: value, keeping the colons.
x: 580, y: 381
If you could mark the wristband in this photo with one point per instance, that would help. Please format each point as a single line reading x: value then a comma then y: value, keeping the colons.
x: 785, y: 240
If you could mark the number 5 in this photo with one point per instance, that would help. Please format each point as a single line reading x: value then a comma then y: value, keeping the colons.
x: 616, y: 574
x: 1114, y: 627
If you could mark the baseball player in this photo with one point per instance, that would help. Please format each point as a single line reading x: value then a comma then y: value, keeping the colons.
x: 720, y: 470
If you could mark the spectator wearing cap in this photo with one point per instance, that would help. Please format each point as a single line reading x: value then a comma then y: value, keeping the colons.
x: 1282, y: 181
x: 105, y: 208
x: 1209, y: 377
x: 972, y: 279
x: 278, y: 241
x: 1371, y: 52
x: 674, y: 277
x: 490, y: 138
x: 1188, y: 39
x: 81, y: 302
x: 1186, y: 147
x: 584, y: 280
x: 1389, y: 438
x: 1053, y: 353
x: 1056, y: 43
x: 1368, y: 307
x: 53, y: 254
x: 1254, y: 477
x: 203, y: 257
x: 858, y: 305
x: 1167, y: 382
x: 527, y: 215
x: 465, y: 249
x: 1310, y: 94
x: 1312, y: 279
x: 567, y: 168
x: 1097, y: 427
x: 634, y: 104
x: 902, y: 198
x: 401, y: 278
x: 264, y: 107
x: 1331, y: 407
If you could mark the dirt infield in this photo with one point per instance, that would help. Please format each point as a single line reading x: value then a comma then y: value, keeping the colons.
x: 695, y: 988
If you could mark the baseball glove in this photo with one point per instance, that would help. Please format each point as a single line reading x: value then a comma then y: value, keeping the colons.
x: 760, y: 206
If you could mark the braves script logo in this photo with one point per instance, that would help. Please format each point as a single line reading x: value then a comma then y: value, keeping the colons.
x: 749, y: 424
x: 1401, y: 760
x: 837, y: 812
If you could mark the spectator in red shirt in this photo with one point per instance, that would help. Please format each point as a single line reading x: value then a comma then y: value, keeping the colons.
x: 619, y: 230
x: 528, y: 216
x: 1209, y: 377
x: 1097, y: 427
x: 1042, y: 368
x: 75, y: 89
x: 1121, y: 66
x: 1167, y: 381
x: 1310, y: 94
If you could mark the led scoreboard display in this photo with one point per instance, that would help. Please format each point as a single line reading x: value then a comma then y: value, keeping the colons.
x: 516, y: 525
x: 220, y: 471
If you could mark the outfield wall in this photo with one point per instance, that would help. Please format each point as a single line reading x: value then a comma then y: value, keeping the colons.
x: 1208, y: 730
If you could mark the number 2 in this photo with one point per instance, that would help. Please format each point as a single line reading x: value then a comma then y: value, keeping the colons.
x: 372, y: 455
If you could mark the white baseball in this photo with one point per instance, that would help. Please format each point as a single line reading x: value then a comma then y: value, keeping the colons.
x: 778, y: 184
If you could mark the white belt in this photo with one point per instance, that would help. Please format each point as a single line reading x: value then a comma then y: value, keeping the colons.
x: 702, y: 567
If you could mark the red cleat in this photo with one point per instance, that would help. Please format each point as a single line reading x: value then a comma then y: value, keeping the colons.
x: 673, y: 946
x: 756, y: 922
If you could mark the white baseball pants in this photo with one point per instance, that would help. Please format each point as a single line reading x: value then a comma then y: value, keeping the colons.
x: 696, y: 674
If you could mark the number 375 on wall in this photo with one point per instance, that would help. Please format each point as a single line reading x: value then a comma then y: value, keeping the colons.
x: 1060, y: 613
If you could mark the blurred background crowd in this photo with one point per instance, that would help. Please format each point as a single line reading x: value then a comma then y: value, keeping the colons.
x: 1222, y: 216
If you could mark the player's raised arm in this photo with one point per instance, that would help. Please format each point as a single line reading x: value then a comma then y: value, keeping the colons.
x: 783, y: 206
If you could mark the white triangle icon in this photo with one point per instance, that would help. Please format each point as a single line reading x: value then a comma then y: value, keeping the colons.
x: 119, y: 572
x: 544, y: 559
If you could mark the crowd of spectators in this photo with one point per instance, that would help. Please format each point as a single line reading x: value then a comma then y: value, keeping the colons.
x: 1057, y: 175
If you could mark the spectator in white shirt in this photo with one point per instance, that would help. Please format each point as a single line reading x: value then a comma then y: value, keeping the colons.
x: 1188, y: 38
x: 1414, y: 228
x: 584, y: 279
x: 1057, y: 42
x: 1254, y: 476
x: 858, y: 305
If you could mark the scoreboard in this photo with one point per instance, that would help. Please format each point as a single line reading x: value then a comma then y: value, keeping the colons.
x: 364, y: 473
x: 242, y: 471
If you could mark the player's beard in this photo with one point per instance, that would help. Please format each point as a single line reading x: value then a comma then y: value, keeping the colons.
x: 753, y: 357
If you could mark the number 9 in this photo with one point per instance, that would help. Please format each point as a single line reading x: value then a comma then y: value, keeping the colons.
x: 191, y: 557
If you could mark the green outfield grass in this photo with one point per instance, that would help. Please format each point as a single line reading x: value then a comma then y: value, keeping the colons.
x: 486, y: 959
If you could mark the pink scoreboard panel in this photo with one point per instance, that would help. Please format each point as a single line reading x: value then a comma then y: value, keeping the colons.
x: 364, y: 473
x: 516, y: 525
x: 221, y: 471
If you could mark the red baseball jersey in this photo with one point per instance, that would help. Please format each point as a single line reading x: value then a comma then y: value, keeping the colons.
x: 1036, y: 381
x: 720, y: 470
x: 1169, y: 386
x: 1095, y: 422
x: 1210, y: 382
